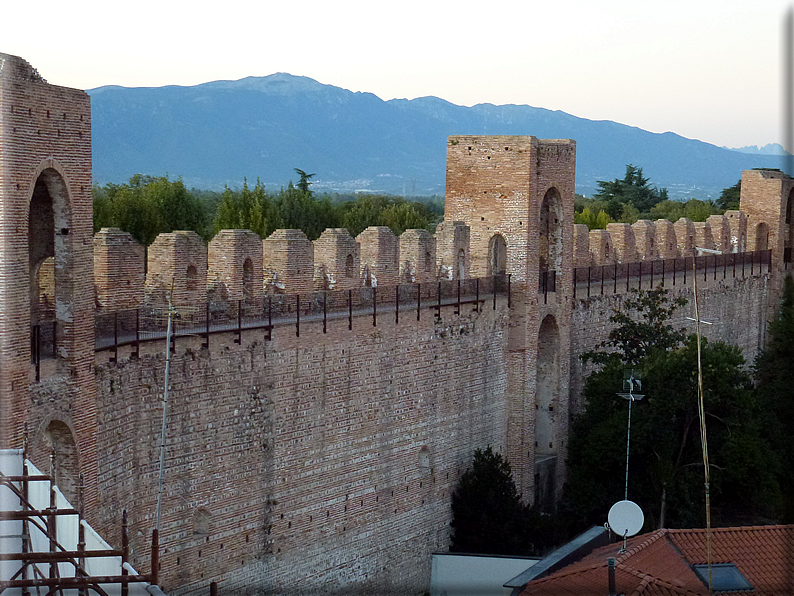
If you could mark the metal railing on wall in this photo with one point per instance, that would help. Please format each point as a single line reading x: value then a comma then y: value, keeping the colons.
x: 619, y: 277
x: 43, y: 344
x: 403, y: 302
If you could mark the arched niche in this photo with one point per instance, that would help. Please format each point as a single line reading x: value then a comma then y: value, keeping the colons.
x: 497, y: 255
x: 761, y: 236
x: 191, y: 278
x: 350, y: 266
x: 49, y: 225
x: 788, y: 241
x: 58, y: 440
x: 550, y: 231
x: 248, y: 279
x: 548, y: 386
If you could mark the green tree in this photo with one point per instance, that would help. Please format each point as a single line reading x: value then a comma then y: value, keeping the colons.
x: 299, y: 210
x: 147, y: 206
x: 634, y: 188
x: 247, y: 210
x: 729, y: 197
x: 594, y: 221
x: 304, y: 182
x: 697, y: 210
x: 666, y: 473
x: 773, y: 373
x: 487, y: 514
x: 669, y: 210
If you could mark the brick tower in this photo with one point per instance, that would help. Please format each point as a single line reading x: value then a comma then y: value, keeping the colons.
x: 46, y: 274
x: 516, y: 193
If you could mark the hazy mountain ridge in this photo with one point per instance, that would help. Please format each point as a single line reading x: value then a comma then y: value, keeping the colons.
x: 220, y: 132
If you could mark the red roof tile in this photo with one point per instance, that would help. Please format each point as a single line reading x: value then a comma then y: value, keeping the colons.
x: 660, y: 564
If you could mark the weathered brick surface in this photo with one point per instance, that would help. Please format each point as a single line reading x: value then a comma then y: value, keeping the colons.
x: 453, y: 240
x: 45, y: 211
x: 417, y: 257
x: 235, y: 265
x: 177, y: 265
x: 307, y: 453
x: 623, y: 242
x: 119, y: 263
x: 288, y: 257
x: 666, y: 241
x: 645, y: 239
x: 581, y: 246
x: 337, y: 260
x: 685, y: 234
x: 380, y: 256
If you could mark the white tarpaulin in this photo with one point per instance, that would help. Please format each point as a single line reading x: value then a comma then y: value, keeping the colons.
x: 12, y: 536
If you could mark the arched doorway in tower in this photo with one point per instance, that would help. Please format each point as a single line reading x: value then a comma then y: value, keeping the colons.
x: 57, y: 441
x: 48, y: 258
x: 550, y: 232
x: 547, y: 393
x: 497, y: 255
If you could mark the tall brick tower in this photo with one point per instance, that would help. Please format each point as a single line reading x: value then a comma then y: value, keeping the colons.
x: 46, y: 274
x: 516, y: 193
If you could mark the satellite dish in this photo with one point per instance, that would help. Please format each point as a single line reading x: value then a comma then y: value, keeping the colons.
x: 625, y: 518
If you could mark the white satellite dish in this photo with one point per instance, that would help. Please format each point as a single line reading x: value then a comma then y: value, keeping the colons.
x: 625, y: 518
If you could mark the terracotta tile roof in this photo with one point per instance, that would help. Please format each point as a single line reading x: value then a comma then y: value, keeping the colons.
x: 660, y: 564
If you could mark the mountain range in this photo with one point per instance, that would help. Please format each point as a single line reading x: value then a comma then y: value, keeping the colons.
x: 220, y: 133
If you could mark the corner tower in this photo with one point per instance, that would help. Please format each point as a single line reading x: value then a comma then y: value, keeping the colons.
x: 46, y: 274
x: 516, y: 193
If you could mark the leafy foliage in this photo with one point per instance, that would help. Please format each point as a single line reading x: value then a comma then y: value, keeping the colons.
x: 773, y: 373
x: 633, y: 337
x: 487, y: 514
x: 634, y: 188
x: 594, y: 221
x: 666, y: 472
x: 147, y: 206
x: 730, y: 197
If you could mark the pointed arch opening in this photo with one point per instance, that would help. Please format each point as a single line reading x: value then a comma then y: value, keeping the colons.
x: 550, y: 231
x: 461, y: 264
x: 761, y: 236
x: 49, y: 217
x: 547, y: 412
x: 497, y: 255
x: 248, y: 279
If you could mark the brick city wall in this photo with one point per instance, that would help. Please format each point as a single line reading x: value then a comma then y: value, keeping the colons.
x: 322, y: 461
x: 326, y: 460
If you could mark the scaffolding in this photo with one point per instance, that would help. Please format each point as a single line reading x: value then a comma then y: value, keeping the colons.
x: 47, y: 548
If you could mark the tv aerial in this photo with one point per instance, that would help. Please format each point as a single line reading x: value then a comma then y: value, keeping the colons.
x: 625, y: 517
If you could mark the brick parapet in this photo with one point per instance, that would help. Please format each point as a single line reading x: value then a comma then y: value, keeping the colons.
x: 380, y: 256
x: 119, y: 270
x: 453, y: 249
x: 417, y: 257
x: 235, y: 265
x: 339, y: 258
x: 177, y: 265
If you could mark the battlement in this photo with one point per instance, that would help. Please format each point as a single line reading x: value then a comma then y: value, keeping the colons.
x: 237, y: 265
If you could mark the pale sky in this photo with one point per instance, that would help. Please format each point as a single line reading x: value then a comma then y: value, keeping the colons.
x: 705, y: 69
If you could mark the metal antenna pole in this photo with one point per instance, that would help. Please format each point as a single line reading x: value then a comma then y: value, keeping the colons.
x: 165, y: 410
x: 628, y: 443
x: 702, y: 416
